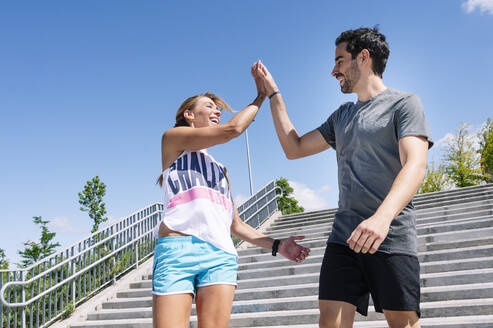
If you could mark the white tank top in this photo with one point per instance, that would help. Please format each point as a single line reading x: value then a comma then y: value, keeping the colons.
x: 197, y: 199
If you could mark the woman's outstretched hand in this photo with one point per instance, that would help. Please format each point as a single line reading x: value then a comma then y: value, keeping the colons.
x: 261, y: 91
x: 292, y: 251
x: 267, y: 79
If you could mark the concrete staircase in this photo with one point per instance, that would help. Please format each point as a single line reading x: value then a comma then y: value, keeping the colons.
x: 455, y: 233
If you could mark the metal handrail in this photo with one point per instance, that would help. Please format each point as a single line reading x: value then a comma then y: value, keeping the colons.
x: 87, y: 249
x: 255, y: 195
x: 61, y: 283
x: 74, y: 275
x: 257, y: 218
x: 83, y: 268
x: 77, y: 272
x: 260, y: 209
x: 92, y: 235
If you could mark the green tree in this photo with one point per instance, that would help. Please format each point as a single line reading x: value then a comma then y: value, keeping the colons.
x: 35, y: 251
x: 435, y: 179
x: 486, y: 150
x: 287, y: 204
x: 461, y: 161
x: 4, y: 262
x: 91, y: 199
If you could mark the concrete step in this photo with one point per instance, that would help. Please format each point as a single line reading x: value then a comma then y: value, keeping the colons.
x: 300, y: 223
x: 472, y: 216
x: 463, y: 232
x: 453, y: 209
x: 309, y: 226
x: 256, y: 302
x: 457, y: 222
x: 481, y: 321
x: 118, y: 314
x: 483, y: 222
x: 443, y: 292
x: 475, y: 236
x: 299, y: 215
x: 426, y: 267
x: 429, y: 294
x: 126, y: 323
x: 467, y: 242
x: 428, y: 243
x: 256, y: 250
x: 310, y: 316
x: 451, y: 236
x: 439, y: 278
x: 453, y: 193
x: 478, y: 321
x: 422, y: 202
x: 306, y: 229
x: 453, y: 200
x: 428, y: 309
x: 127, y: 303
x: 455, y: 254
x: 316, y: 256
x: 434, y: 214
x: 314, y: 268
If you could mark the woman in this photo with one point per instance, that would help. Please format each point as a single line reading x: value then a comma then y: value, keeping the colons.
x: 194, y: 254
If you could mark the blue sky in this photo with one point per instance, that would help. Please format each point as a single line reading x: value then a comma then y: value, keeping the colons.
x: 88, y: 87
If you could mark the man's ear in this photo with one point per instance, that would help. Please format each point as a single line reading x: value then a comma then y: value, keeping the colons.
x: 364, y: 56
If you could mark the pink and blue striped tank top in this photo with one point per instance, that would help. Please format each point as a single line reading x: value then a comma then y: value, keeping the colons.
x: 197, y: 199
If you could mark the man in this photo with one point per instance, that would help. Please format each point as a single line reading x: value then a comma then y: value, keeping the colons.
x: 381, y: 142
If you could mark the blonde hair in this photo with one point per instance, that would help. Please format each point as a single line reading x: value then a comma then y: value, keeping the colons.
x: 189, y: 104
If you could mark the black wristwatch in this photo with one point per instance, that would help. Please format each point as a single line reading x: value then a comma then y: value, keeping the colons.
x: 275, y: 246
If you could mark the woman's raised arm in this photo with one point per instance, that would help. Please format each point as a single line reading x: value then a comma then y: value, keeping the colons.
x: 204, y: 129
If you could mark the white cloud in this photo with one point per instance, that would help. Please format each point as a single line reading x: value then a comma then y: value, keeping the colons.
x: 112, y: 220
x: 240, y: 199
x: 325, y: 188
x: 484, y: 6
x: 473, y: 132
x: 310, y: 199
x: 61, y: 225
x: 445, y: 140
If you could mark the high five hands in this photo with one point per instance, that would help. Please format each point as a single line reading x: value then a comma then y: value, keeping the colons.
x: 261, y: 91
x: 262, y: 74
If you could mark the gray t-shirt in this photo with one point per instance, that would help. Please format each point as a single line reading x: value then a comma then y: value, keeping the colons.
x: 365, y: 136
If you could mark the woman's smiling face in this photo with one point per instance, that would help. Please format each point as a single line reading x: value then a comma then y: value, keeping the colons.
x: 205, y: 113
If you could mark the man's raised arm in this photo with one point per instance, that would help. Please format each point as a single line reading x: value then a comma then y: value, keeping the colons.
x: 293, y: 145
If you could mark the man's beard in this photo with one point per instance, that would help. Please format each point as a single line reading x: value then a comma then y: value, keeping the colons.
x: 351, y: 77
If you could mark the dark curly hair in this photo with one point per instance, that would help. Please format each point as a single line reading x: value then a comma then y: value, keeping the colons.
x: 370, y: 39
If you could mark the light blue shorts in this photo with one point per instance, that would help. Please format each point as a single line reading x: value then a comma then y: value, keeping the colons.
x: 183, y: 263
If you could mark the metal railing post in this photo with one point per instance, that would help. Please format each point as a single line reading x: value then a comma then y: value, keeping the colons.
x: 113, y: 243
x: 136, y: 254
x: 23, y: 299
x: 72, y: 268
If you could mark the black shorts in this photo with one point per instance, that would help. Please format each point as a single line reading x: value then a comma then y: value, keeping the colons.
x: 391, y: 279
